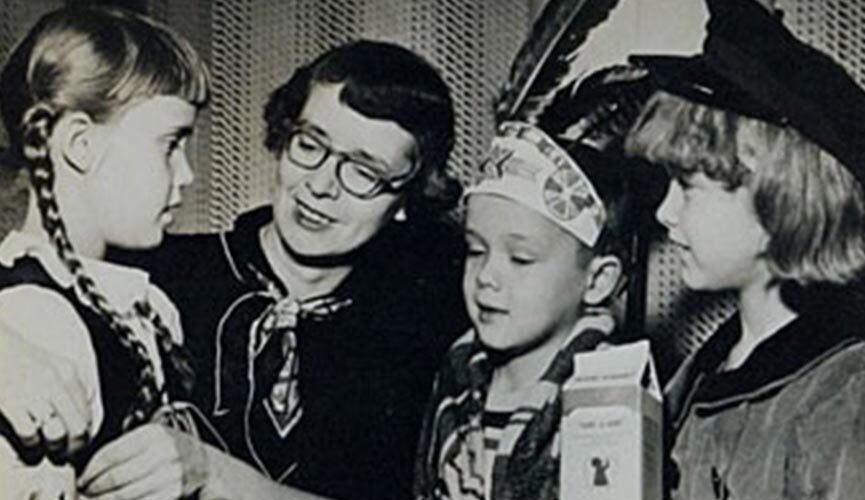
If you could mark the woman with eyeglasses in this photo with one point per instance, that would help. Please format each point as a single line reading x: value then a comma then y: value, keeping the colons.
x: 317, y: 323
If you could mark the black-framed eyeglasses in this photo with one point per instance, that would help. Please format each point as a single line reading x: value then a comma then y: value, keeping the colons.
x: 359, y: 178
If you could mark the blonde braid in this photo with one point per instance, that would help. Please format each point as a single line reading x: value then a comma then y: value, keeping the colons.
x: 37, y: 125
x: 180, y: 375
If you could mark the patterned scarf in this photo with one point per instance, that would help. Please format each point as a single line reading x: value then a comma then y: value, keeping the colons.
x: 526, y: 466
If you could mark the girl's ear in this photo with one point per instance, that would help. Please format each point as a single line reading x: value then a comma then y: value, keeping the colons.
x: 74, y: 136
x: 602, y: 279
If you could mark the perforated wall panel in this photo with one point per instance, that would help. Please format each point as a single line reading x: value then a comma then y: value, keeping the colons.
x: 255, y: 45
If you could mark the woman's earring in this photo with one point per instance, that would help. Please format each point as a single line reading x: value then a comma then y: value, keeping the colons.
x: 400, y: 215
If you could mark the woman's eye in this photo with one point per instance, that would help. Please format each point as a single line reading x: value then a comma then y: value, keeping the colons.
x: 307, y: 144
x: 522, y: 260
x: 366, y: 172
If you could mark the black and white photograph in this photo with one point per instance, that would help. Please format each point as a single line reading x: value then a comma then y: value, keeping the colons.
x: 432, y: 249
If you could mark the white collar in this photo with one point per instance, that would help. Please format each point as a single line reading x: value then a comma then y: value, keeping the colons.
x: 122, y: 285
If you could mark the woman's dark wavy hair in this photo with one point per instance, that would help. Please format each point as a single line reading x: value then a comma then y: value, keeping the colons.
x: 386, y: 82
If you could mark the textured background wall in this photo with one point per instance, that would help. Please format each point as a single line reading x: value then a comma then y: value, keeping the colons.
x: 253, y: 45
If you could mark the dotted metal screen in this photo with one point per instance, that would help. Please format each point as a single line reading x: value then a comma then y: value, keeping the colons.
x: 254, y: 45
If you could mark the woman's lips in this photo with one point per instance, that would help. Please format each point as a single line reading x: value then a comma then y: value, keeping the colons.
x: 310, y: 217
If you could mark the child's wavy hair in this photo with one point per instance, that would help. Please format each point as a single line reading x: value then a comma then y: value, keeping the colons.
x: 810, y: 205
x: 101, y: 61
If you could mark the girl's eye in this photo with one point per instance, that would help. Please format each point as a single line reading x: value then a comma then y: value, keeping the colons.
x: 174, y: 145
x: 684, y: 184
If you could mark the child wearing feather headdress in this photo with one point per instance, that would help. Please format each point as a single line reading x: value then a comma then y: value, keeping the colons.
x: 547, y: 232
x: 545, y: 235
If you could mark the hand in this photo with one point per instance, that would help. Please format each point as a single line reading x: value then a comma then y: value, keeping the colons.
x: 41, y: 396
x: 152, y: 462
x: 42, y: 481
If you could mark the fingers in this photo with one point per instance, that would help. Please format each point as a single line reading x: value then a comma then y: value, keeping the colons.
x: 53, y: 421
x: 122, y: 473
x: 162, y: 484
x: 47, y: 482
x: 43, y: 399
x: 72, y: 402
x: 67, y: 427
x: 133, y: 458
x: 26, y: 417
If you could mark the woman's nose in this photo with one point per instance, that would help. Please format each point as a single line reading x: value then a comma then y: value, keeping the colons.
x: 323, y: 182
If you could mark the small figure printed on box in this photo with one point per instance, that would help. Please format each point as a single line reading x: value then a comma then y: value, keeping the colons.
x: 600, y: 465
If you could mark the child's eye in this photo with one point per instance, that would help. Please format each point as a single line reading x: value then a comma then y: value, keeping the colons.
x: 684, y: 184
x: 522, y: 260
x: 475, y: 251
x: 175, y: 144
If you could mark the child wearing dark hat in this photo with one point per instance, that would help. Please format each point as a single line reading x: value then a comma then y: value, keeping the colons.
x: 766, y: 199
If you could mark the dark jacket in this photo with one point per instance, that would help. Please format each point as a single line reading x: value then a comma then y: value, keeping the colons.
x: 365, y: 371
x: 788, y: 424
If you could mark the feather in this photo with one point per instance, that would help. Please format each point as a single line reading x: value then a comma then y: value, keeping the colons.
x: 573, y: 39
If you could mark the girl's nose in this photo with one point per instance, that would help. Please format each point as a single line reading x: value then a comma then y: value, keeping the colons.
x: 668, y: 212
x: 183, y: 174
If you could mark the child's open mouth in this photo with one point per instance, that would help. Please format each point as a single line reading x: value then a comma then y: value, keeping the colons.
x: 487, y: 313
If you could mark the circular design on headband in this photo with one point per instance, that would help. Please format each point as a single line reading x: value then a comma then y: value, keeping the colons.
x: 566, y: 194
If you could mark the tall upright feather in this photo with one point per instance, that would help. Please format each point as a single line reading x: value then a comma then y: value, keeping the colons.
x: 572, y: 39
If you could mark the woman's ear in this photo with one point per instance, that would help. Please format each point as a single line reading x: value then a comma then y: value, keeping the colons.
x: 602, y: 279
x: 74, y: 139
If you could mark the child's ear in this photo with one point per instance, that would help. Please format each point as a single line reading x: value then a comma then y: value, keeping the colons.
x: 602, y: 279
x: 74, y: 135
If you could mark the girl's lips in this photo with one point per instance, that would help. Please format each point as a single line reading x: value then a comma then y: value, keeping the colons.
x: 678, y: 244
x: 167, y: 214
x: 166, y: 218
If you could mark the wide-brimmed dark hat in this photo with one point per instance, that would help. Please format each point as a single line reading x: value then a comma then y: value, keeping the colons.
x: 752, y: 65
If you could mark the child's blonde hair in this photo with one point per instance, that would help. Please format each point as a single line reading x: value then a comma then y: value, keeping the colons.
x: 98, y: 60
x: 810, y: 205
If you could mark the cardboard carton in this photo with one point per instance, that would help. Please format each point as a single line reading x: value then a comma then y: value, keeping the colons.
x: 611, y: 426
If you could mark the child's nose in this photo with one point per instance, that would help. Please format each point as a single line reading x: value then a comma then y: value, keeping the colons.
x: 488, y: 275
x: 183, y: 174
x: 668, y: 212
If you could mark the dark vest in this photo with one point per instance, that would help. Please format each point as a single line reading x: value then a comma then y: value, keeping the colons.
x: 117, y: 379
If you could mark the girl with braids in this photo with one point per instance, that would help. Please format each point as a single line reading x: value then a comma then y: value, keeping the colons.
x: 98, y: 104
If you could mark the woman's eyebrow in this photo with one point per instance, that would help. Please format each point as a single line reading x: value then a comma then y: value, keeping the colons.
x: 311, y: 127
